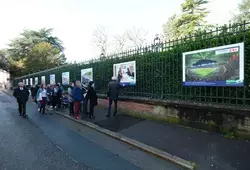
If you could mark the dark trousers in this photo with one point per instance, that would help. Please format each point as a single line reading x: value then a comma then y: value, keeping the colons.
x: 56, y: 101
x: 77, y: 106
x: 110, y: 105
x: 22, y: 108
x: 59, y: 102
x: 42, y: 106
x: 49, y: 101
x: 85, y: 106
x: 71, y: 108
x: 91, y: 109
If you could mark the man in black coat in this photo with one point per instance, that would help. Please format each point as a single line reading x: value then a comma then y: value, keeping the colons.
x: 22, y: 95
x: 113, y: 93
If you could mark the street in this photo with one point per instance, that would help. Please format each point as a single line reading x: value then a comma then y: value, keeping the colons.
x: 52, y: 142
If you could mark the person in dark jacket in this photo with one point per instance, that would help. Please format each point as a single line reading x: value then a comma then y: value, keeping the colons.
x: 49, y: 94
x: 113, y: 93
x: 92, y: 97
x: 56, y: 97
x: 22, y: 95
x: 33, y: 92
x: 78, y: 98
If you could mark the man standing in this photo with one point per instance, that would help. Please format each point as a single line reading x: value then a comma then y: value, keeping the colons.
x: 113, y: 93
x: 78, y: 98
x: 22, y: 95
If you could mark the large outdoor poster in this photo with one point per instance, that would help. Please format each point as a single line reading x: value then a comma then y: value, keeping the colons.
x: 86, y: 75
x: 220, y: 66
x: 125, y: 73
x: 36, y: 80
x: 43, y: 80
x: 52, y: 79
x: 31, y: 81
x: 65, y: 78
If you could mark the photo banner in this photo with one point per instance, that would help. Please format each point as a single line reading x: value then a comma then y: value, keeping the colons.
x: 65, y: 78
x: 36, y: 80
x: 86, y: 75
x: 219, y: 66
x: 52, y: 79
x: 43, y: 81
x: 125, y: 73
x: 31, y: 81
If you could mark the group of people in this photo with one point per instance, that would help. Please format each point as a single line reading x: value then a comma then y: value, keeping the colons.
x: 52, y: 95
x: 78, y: 95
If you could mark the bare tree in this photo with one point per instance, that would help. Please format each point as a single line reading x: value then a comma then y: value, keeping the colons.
x: 137, y: 36
x: 100, y: 39
x: 120, y: 42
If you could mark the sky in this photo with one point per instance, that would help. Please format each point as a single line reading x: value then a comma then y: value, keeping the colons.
x: 74, y: 21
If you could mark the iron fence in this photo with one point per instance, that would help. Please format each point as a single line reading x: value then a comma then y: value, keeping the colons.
x: 159, y: 70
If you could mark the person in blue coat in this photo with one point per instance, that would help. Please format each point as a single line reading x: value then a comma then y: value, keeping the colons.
x: 78, y: 98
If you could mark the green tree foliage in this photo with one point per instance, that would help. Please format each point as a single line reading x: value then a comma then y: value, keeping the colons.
x: 4, y: 62
x: 243, y: 11
x: 16, y: 67
x: 35, y: 50
x: 42, y: 56
x: 169, y: 28
x: 191, y: 19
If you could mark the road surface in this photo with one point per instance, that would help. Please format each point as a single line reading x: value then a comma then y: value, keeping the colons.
x: 51, y: 142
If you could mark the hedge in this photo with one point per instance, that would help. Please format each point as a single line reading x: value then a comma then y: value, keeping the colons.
x: 159, y: 72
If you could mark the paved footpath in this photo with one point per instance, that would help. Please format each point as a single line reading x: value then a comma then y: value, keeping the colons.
x: 53, y: 142
x: 208, y: 150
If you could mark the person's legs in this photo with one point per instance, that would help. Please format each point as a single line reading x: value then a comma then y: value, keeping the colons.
x: 109, y: 109
x: 39, y: 105
x: 91, y: 110
x: 71, y: 106
x: 24, y: 109
x: 59, y: 102
x: 20, y: 109
x: 53, y: 101
x: 43, y: 105
x: 76, y: 109
x: 115, y: 109
x: 85, y: 106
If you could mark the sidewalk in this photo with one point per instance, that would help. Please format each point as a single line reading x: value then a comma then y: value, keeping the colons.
x: 207, y: 150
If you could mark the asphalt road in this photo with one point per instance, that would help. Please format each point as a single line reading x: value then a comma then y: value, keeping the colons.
x: 52, y: 142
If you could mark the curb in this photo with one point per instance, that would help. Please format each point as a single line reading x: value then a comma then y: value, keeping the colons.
x: 149, y: 149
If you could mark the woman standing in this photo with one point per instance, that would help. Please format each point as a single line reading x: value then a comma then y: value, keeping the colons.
x: 56, y: 97
x: 42, y: 95
x: 92, y: 97
x: 71, y: 100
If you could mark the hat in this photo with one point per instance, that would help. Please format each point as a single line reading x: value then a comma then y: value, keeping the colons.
x: 113, y: 78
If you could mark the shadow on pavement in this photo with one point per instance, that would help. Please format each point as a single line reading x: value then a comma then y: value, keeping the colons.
x: 118, y: 123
